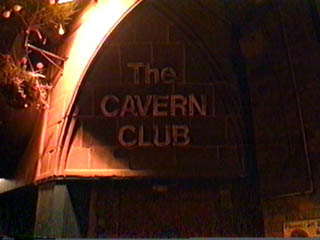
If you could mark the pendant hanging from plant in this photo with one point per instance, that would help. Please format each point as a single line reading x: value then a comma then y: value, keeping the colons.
x: 21, y: 88
x: 36, y: 27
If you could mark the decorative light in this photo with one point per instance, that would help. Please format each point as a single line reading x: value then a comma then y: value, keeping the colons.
x: 64, y: 1
x: 17, y: 8
x: 6, y: 14
x: 61, y: 30
x: 40, y: 65
x: 23, y: 61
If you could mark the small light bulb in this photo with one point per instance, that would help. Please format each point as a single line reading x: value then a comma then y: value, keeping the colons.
x: 64, y: 1
x: 40, y: 65
x: 61, y: 30
x: 51, y: 2
x: 17, y: 8
x: 23, y: 61
x: 6, y: 14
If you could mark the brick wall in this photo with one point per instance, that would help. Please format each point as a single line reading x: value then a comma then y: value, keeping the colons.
x: 283, y: 75
x: 79, y: 49
x: 150, y: 37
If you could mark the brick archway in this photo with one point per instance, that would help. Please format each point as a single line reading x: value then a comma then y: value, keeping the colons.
x: 59, y: 121
x: 98, y: 20
x: 202, y: 40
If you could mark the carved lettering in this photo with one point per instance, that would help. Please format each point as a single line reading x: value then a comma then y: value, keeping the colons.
x: 178, y: 102
x: 193, y: 103
x: 175, y: 135
x: 104, y: 103
x: 180, y: 135
x: 151, y: 74
x: 121, y: 136
x: 136, y: 71
x: 142, y: 141
x: 156, y: 139
x: 168, y: 75
x: 128, y: 107
x: 160, y: 106
x: 143, y: 107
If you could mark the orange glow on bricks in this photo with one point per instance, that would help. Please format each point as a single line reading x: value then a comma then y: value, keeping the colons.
x: 81, y: 46
x: 97, y: 22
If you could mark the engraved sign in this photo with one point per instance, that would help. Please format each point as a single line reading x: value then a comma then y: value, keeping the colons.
x: 167, y: 105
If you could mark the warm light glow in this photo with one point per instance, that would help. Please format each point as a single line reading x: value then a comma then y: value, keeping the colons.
x: 3, y: 182
x: 64, y: 1
x: 6, y: 14
x: 96, y: 23
x: 17, y: 8
x: 81, y: 46
x: 61, y: 30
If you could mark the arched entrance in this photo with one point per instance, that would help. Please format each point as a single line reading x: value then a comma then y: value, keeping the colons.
x: 160, y: 105
x: 156, y: 117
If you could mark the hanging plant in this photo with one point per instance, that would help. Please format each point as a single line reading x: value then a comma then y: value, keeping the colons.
x: 36, y: 26
x: 22, y: 88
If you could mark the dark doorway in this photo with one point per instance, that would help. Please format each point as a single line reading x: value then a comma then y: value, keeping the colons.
x: 17, y: 212
x: 163, y: 209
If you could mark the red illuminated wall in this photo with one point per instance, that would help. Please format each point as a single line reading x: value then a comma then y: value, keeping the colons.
x: 42, y: 158
x: 89, y: 144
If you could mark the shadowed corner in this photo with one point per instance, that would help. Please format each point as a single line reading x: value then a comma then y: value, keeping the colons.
x: 15, y: 135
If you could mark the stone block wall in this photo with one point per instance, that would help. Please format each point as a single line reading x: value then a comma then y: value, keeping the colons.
x: 284, y: 81
x: 148, y: 36
x: 79, y: 46
x: 282, y: 70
